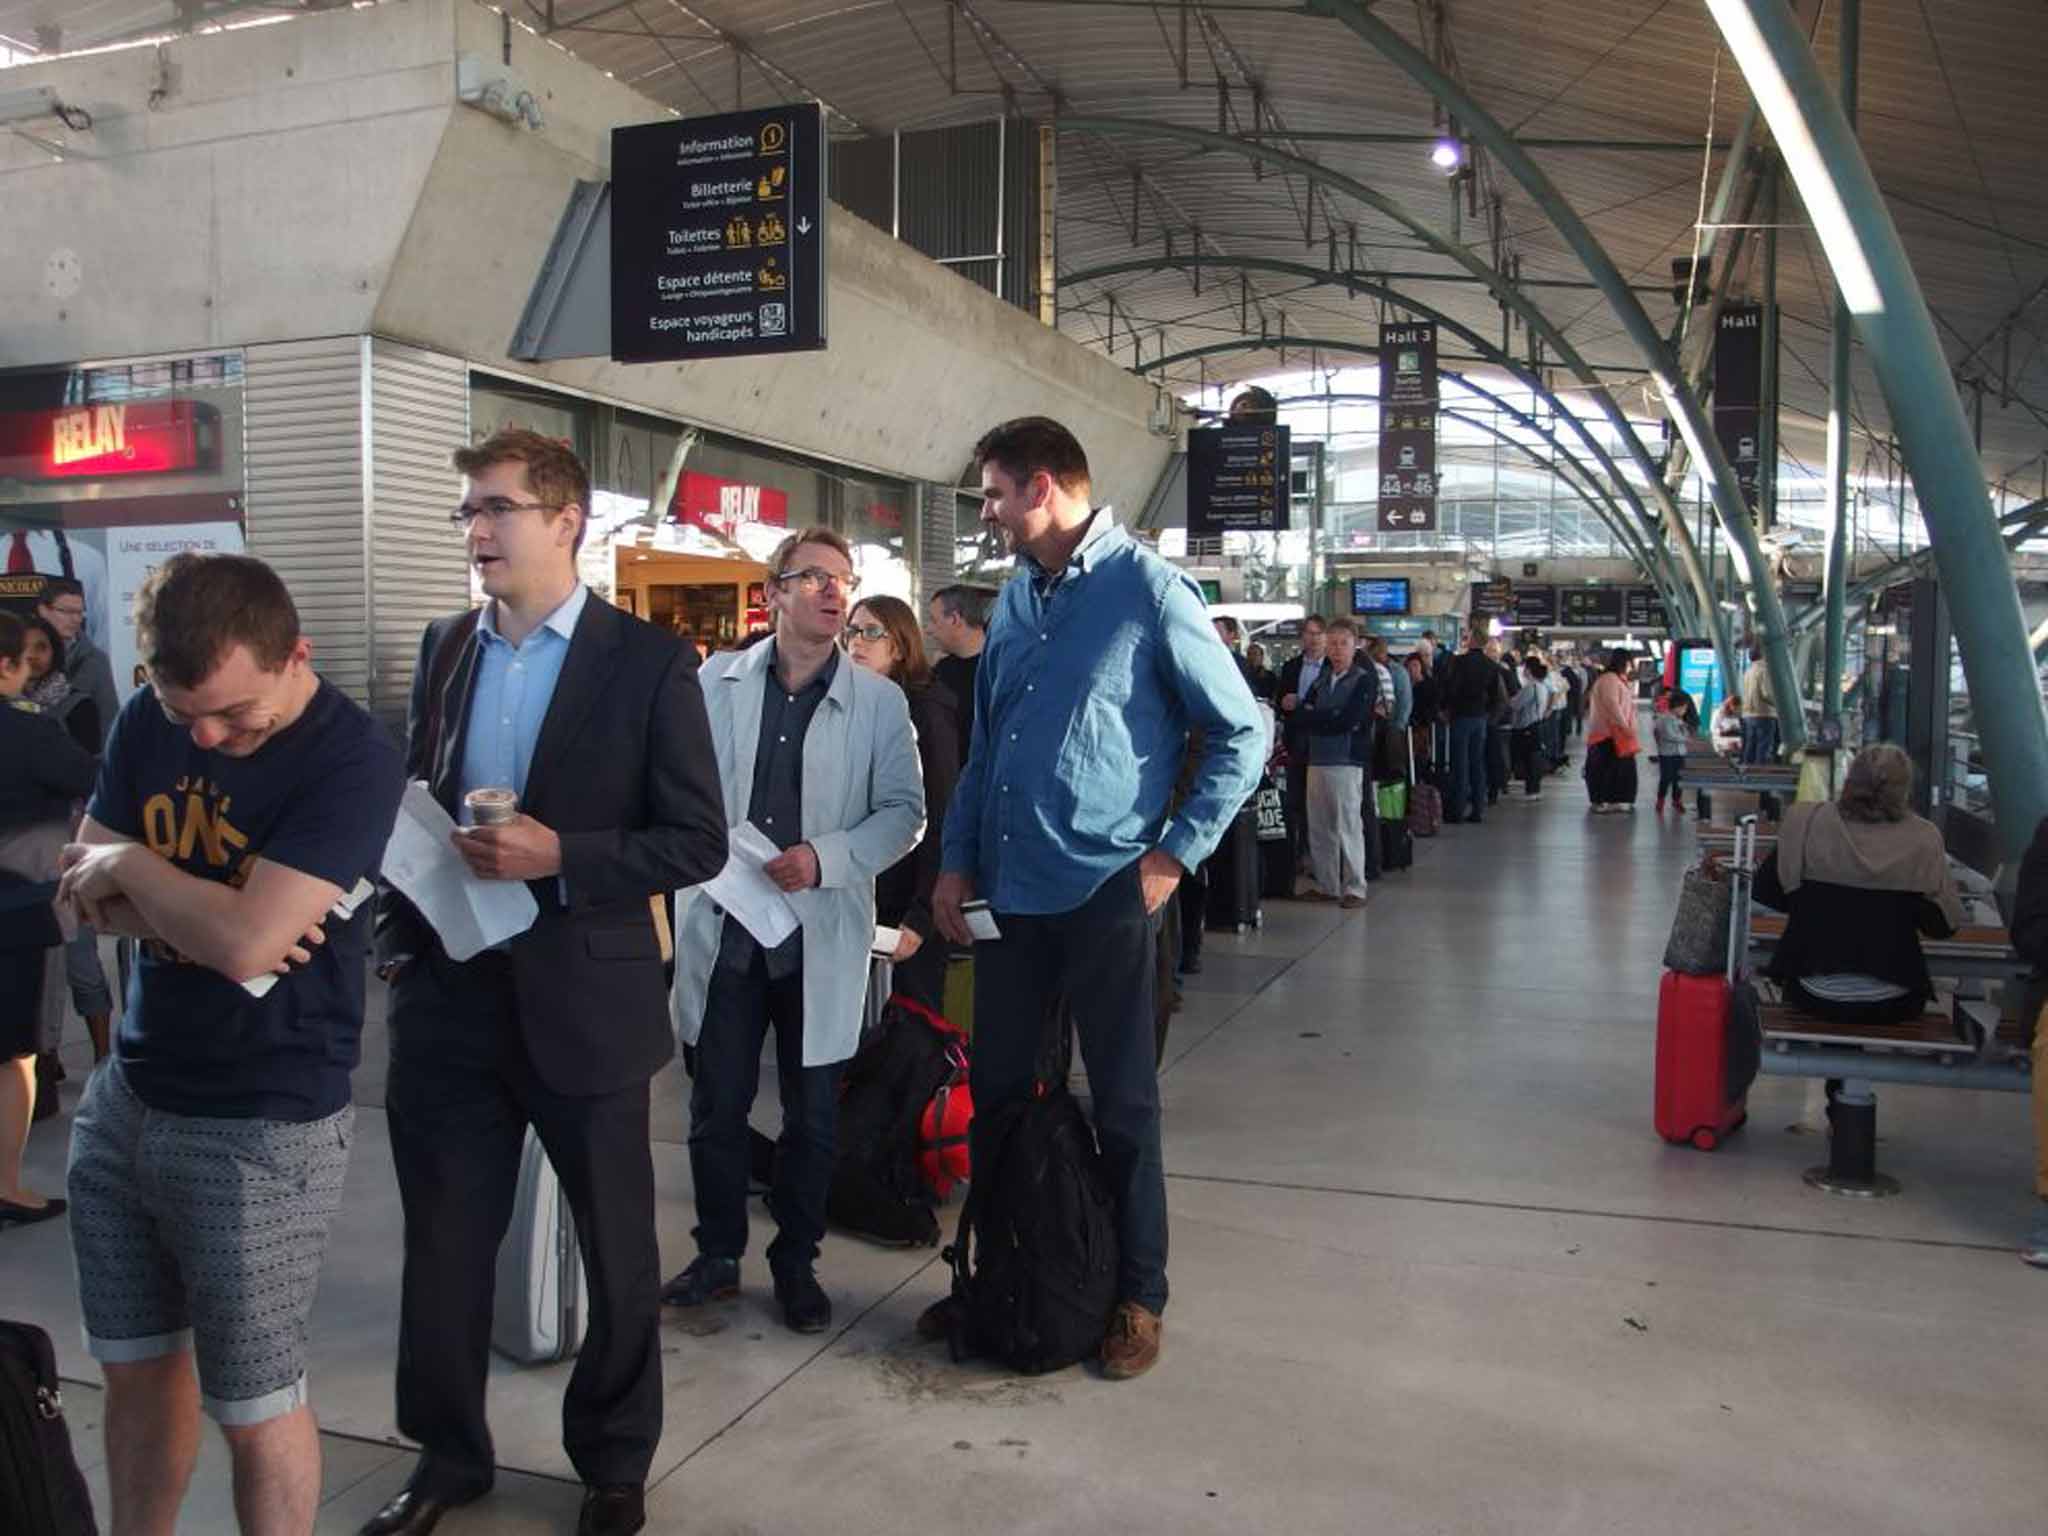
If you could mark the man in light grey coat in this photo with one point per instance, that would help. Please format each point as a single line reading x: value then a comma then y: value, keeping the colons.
x: 819, y: 755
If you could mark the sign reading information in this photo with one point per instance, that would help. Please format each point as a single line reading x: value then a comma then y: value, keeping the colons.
x: 1408, y: 427
x: 718, y: 236
x: 1237, y: 480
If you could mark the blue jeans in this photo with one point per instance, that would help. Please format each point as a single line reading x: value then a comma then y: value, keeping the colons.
x: 1096, y: 964
x: 1468, y: 768
x: 1759, y: 739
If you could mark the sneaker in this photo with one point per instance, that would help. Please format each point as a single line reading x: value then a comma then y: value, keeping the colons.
x: 1131, y: 1347
x: 2034, y: 1246
x: 1352, y: 903
x: 706, y: 1280
x: 1660, y: 806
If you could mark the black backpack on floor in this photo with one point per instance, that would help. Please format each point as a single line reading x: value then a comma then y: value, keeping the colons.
x: 1035, y: 1259
x: 42, y: 1492
x: 877, y: 1190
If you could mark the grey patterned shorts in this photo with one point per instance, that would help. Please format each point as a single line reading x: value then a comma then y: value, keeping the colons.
x: 203, y: 1234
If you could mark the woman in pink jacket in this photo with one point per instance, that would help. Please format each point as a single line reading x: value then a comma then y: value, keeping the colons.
x: 1611, y: 745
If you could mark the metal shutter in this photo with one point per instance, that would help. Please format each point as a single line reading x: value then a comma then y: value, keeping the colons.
x: 937, y: 508
x: 303, y: 410
x: 419, y: 415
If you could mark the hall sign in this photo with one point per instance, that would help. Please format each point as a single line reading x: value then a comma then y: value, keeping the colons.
x: 94, y: 442
x: 1408, y: 403
x: 720, y: 506
x: 718, y: 236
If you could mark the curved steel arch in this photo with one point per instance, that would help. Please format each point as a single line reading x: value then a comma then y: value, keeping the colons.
x: 1694, y: 427
x: 1506, y: 293
x: 1640, y: 553
x: 1356, y: 284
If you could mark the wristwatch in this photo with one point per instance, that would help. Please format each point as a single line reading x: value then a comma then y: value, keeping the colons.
x: 387, y: 970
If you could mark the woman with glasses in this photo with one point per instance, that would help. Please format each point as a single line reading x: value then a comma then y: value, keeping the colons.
x: 882, y: 636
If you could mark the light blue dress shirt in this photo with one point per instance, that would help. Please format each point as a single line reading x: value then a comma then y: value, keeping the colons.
x: 1091, y: 680
x: 514, y: 686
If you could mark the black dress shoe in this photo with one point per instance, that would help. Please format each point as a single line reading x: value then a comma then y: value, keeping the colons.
x: 12, y: 1214
x: 705, y: 1280
x: 616, y: 1509
x: 413, y: 1513
x: 805, y: 1306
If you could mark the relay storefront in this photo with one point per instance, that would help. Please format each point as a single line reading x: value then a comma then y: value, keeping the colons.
x: 684, y: 520
x: 107, y: 470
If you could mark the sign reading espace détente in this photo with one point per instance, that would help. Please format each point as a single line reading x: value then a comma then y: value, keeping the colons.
x: 718, y: 236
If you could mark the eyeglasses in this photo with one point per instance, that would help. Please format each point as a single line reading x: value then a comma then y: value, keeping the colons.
x: 811, y: 580
x: 497, y: 508
x: 867, y: 632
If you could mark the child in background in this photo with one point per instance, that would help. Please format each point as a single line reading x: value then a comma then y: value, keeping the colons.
x: 1668, y: 728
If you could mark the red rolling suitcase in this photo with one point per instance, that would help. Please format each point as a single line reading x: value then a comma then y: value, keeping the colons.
x: 1703, y: 1069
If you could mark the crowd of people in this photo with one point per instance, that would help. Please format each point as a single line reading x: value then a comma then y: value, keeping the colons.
x: 1034, y: 796
x: 1078, y: 749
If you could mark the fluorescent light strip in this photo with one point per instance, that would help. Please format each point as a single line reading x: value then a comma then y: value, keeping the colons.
x: 1854, y: 279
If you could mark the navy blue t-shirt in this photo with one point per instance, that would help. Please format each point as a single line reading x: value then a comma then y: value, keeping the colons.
x: 320, y: 798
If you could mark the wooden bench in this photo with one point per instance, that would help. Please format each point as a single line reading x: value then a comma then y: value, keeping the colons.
x: 1934, y: 1033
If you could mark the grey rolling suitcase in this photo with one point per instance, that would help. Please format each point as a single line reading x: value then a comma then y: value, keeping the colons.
x: 542, y: 1305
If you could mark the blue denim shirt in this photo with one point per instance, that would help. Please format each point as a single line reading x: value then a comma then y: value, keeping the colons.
x: 514, y: 686
x: 1089, y: 684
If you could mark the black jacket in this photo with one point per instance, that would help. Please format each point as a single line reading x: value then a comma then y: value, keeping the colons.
x: 42, y: 769
x: 1474, y: 687
x: 903, y: 891
x: 2030, y: 904
x: 1833, y: 930
x: 625, y: 774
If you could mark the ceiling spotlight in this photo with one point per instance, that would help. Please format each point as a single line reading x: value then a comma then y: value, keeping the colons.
x: 1447, y: 154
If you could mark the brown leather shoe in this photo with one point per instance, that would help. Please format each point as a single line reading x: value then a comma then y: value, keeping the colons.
x: 1131, y: 1347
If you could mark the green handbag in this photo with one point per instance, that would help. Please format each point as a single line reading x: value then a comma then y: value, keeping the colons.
x: 1393, y: 801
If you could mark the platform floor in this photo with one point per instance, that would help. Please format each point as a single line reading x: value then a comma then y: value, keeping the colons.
x: 1432, y: 1272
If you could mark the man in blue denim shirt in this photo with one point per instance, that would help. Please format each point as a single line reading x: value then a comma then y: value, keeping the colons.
x: 1100, y: 661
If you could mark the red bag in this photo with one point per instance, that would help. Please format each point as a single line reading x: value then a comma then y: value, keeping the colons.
x: 942, y: 1156
x: 1701, y: 1094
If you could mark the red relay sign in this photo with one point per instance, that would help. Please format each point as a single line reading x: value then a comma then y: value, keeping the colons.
x: 91, y: 442
x: 720, y: 506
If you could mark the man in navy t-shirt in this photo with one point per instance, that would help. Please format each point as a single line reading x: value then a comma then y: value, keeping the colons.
x: 240, y: 803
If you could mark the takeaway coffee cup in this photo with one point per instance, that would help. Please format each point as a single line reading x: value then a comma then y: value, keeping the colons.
x: 491, y: 807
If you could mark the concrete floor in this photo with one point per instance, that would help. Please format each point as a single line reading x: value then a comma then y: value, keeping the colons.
x: 1432, y: 1272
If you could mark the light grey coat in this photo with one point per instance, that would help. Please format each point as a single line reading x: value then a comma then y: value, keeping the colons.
x: 863, y: 809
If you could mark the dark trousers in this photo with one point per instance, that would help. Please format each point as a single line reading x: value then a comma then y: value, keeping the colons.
x: 1468, y: 769
x: 1496, y: 761
x: 1759, y: 739
x: 1096, y: 961
x: 743, y: 1002
x: 922, y: 978
x: 1527, y: 747
x: 461, y: 1095
x: 1668, y: 768
x: 1193, y: 900
x: 1297, y: 802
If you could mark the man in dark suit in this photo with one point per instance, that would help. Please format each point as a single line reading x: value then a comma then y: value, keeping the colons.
x: 595, y: 720
x: 1297, y: 675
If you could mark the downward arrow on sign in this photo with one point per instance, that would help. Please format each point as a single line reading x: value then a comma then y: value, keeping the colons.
x: 803, y: 226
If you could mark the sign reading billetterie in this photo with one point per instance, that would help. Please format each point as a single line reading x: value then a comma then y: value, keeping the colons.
x: 718, y: 236
x: 1238, y: 479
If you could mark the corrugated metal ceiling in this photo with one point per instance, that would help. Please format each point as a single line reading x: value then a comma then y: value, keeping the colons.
x: 1953, y: 116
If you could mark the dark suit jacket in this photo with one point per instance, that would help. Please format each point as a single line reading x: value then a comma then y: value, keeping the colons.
x: 624, y: 773
x: 1292, y: 735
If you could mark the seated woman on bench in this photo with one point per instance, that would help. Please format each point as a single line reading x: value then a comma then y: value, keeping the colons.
x: 1859, y: 880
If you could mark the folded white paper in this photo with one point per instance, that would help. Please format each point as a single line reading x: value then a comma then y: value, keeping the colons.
x: 886, y: 940
x: 342, y: 911
x: 748, y: 894
x: 469, y: 914
x: 980, y: 921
